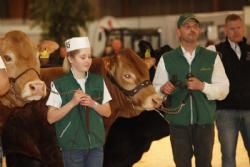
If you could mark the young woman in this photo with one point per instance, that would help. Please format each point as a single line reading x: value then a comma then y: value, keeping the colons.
x: 77, y: 102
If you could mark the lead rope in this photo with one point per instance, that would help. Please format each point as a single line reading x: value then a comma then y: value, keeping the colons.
x: 175, y: 110
x: 178, y: 109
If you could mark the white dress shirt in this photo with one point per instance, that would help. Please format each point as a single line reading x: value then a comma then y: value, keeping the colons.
x: 2, y: 65
x: 236, y: 48
x: 216, y: 90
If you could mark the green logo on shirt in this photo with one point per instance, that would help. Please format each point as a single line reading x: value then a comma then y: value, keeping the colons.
x: 206, y: 69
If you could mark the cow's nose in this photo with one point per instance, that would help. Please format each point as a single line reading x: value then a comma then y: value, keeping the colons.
x: 37, y: 88
x: 157, y: 100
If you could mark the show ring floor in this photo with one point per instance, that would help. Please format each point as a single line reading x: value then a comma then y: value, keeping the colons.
x: 160, y: 154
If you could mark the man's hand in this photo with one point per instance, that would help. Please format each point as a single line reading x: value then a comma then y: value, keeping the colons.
x: 194, y: 83
x: 168, y: 88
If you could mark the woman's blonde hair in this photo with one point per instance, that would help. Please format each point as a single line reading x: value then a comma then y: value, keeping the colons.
x: 66, y: 63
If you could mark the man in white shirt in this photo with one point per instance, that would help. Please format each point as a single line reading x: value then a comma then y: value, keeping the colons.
x: 202, y: 74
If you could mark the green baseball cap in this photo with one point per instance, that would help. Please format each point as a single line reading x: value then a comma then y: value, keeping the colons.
x: 185, y: 17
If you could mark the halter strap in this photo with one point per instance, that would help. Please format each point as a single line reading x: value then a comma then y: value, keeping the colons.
x: 132, y: 92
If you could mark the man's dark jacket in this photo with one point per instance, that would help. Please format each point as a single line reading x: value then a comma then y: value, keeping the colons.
x: 238, y: 72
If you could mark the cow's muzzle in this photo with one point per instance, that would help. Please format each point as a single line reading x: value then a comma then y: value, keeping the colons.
x: 33, y: 90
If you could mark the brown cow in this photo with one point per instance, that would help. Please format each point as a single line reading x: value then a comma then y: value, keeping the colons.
x: 127, y: 78
x: 21, y: 59
x: 131, y: 129
x: 20, y: 56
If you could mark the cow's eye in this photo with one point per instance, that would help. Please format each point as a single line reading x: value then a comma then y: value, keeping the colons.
x: 7, y: 58
x: 127, y: 76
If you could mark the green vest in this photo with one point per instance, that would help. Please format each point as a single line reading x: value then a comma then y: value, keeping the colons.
x: 72, y: 131
x: 198, y: 109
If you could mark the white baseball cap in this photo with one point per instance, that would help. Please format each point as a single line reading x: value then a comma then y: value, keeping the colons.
x: 77, y: 43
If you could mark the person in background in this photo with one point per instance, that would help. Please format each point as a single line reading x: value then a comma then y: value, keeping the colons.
x: 112, y: 48
x: 146, y: 48
x: 116, y: 45
x: 233, y: 115
x: 202, y: 72
x: 76, y: 104
x: 108, y: 51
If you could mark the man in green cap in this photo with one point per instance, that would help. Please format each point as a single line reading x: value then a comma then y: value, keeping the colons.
x: 203, y: 79
x: 186, y: 17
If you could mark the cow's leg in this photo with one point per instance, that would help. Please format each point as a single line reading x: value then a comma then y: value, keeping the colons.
x: 17, y: 160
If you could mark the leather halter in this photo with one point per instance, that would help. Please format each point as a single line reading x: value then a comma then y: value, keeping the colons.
x: 132, y: 92
x: 13, y: 80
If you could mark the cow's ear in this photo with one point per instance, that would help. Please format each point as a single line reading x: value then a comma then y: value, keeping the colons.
x: 150, y: 62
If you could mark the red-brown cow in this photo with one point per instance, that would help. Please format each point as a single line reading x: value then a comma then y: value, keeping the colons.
x: 20, y: 56
x: 132, y: 127
x: 21, y: 59
x: 127, y: 79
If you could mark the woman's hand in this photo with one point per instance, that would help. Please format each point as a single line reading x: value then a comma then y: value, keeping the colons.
x: 77, y: 97
x: 86, y: 100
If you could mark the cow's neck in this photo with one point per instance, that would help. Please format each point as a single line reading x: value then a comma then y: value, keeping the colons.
x: 121, y: 105
x: 11, y: 101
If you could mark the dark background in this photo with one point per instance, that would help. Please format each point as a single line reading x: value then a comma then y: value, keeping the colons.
x: 16, y: 9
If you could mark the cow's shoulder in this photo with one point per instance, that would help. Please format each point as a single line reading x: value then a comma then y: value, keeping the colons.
x: 50, y: 74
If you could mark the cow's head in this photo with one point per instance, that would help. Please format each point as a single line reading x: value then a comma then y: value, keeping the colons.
x: 131, y: 74
x: 20, y: 56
